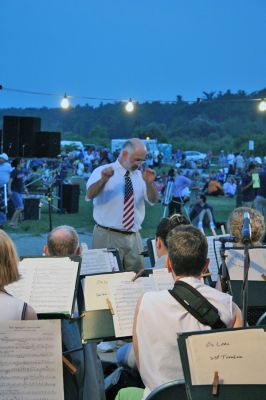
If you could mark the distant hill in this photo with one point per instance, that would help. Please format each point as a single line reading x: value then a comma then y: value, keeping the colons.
x: 218, y: 121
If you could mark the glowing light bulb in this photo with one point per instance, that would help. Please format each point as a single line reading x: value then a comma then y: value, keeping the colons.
x: 129, y: 106
x: 65, y: 102
x: 262, y: 105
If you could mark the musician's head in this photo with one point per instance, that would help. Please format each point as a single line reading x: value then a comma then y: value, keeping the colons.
x: 166, y: 224
x: 8, y: 260
x: 62, y: 241
x: 187, y: 251
x: 133, y: 154
x: 235, y: 223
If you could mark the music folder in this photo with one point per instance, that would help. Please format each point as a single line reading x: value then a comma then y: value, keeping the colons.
x: 225, y: 364
x: 48, y: 284
x: 110, y: 301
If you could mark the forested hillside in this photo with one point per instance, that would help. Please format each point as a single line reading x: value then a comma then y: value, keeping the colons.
x: 217, y: 121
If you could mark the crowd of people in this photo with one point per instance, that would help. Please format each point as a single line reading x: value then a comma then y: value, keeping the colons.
x: 119, y: 191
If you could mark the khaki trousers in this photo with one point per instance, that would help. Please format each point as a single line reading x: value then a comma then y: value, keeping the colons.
x: 129, y: 246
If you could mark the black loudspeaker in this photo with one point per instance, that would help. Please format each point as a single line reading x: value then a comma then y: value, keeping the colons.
x: 48, y: 144
x: 32, y: 208
x: 29, y: 126
x: 70, y: 198
x: 19, y: 135
x: 11, y: 129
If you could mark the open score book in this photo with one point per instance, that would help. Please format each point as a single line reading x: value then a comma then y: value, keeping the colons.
x: 48, y: 284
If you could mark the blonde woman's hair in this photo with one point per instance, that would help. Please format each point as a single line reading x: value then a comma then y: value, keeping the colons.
x: 235, y: 222
x: 8, y: 260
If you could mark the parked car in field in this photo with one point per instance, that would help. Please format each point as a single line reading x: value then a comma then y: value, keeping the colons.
x: 192, y: 155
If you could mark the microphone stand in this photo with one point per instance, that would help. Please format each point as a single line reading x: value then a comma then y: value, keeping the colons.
x: 226, y: 286
x: 245, y: 284
x: 49, y: 200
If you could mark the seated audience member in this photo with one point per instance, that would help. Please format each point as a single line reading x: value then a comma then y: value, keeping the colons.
x: 10, y: 307
x: 200, y: 211
x: 88, y: 383
x: 214, y: 188
x: 158, y: 315
x: 230, y: 187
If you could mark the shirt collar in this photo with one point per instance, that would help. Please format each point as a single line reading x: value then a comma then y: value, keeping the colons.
x: 123, y: 170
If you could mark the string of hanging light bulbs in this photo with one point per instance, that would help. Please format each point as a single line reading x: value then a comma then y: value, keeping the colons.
x: 65, y: 102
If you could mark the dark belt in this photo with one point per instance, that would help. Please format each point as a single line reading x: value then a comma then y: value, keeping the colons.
x: 115, y: 230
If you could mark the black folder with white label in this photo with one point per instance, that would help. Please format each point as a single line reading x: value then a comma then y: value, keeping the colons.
x: 224, y: 364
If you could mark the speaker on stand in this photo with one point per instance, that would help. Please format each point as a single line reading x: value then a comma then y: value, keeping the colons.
x: 48, y: 144
x: 19, y: 135
x: 70, y: 198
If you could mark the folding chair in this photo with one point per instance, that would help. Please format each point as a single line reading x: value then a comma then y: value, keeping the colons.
x: 169, y: 391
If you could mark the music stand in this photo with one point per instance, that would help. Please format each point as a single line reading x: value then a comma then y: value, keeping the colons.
x: 223, y: 391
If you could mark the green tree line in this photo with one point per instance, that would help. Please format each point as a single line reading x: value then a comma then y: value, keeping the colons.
x: 216, y: 121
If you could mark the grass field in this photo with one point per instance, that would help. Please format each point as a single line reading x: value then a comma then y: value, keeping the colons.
x: 83, y: 220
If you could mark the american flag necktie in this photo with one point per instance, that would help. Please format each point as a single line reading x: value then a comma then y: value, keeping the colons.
x: 128, y: 213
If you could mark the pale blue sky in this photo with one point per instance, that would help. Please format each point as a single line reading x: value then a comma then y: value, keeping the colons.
x: 144, y: 49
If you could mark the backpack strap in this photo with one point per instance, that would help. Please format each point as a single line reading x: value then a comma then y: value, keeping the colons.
x: 24, y: 310
x: 197, y: 305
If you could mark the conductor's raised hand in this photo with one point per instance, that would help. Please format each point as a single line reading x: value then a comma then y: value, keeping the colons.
x: 107, y: 173
x: 149, y: 175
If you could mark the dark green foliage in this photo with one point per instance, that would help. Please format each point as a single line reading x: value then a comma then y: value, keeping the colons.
x: 218, y: 121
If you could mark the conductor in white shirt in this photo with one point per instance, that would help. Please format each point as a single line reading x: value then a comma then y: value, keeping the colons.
x: 119, y: 192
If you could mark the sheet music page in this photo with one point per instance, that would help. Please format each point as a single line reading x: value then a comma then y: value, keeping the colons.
x: 31, y: 360
x: 23, y: 287
x: 113, y: 261
x: 96, y: 289
x: 163, y: 280
x: 213, y: 267
x: 235, y: 264
x: 147, y: 283
x: 53, y: 284
x: 124, y: 296
x: 96, y: 261
x: 239, y: 357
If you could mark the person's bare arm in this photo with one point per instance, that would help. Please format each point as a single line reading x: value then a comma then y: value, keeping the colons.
x: 135, y: 337
x: 149, y: 177
x: 30, y: 313
x: 96, y: 187
x: 238, y: 320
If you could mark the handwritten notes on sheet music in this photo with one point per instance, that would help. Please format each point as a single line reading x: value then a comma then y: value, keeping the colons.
x: 95, y: 261
x: 96, y: 289
x: 239, y: 356
x: 47, y: 283
x: 235, y: 264
x: 31, y: 360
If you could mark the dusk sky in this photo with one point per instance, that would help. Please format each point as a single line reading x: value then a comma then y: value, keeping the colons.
x: 143, y: 49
